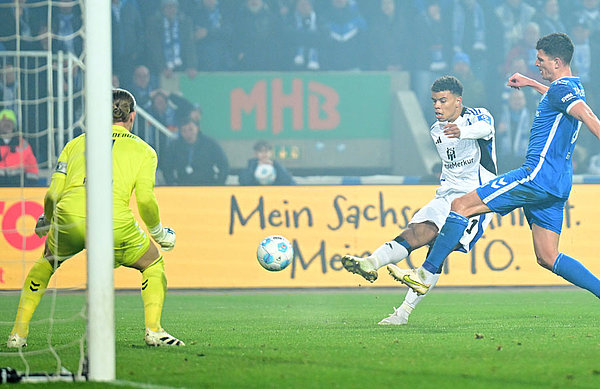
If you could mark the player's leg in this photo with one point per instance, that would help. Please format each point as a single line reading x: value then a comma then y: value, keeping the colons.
x: 154, y: 285
x: 394, y: 251
x: 546, y: 223
x: 416, y: 235
x: 411, y: 300
x: 421, y: 230
x: 474, y: 231
x: 61, y: 244
x: 501, y: 195
x: 420, y: 279
x: 134, y: 249
x: 33, y: 290
x: 454, y: 228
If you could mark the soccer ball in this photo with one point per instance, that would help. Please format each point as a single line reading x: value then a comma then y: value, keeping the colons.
x: 275, y: 253
x: 265, y: 174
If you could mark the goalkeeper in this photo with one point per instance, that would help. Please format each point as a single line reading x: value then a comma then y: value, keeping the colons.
x: 134, y: 167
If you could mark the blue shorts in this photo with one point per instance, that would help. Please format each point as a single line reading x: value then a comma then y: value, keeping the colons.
x: 514, y: 190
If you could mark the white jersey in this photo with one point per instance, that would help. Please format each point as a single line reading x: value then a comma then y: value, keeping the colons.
x: 468, y: 161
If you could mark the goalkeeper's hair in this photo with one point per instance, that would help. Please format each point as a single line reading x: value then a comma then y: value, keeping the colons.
x: 123, y: 105
x: 557, y: 44
x: 448, y: 83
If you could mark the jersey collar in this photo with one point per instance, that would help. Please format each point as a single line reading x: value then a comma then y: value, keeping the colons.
x: 117, y: 128
x: 565, y: 77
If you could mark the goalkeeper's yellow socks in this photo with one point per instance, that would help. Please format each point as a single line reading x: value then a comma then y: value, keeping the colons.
x: 154, y: 288
x: 33, y: 289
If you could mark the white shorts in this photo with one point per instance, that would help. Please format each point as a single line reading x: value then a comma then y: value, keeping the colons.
x: 436, y: 211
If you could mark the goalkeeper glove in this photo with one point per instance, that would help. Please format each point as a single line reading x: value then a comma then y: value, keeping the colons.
x: 164, y: 236
x: 42, y: 226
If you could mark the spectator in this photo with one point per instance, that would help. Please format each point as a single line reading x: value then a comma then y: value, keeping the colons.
x: 257, y: 38
x: 263, y: 170
x: 513, y: 16
x: 166, y: 115
x: 586, y: 12
x: 473, y: 88
x: 67, y: 27
x: 28, y: 19
x: 582, y: 56
x: 184, y: 109
x: 212, y: 36
x: 434, y: 176
x: 194, y: 159
x: 141, y: 87
x: 170, y: 36
x: 586, y: 62
x: 469, y: 33
x: 285, y: 8
x: 525, y: 49
x: 388, y: 38
x: 580, y: 160
x: 42, y: 39
x: 594, y: 165
x: 77, y: 77
x: 513, y: 131
x: 16, y: 156
x: 8, y: 87
x: 344, y: 28
x: 549, y: 19
x: 433, y: 54
x: 305, y: 35
x: 127, y: 38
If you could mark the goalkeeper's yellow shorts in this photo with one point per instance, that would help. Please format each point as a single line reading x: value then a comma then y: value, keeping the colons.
x: 67, y: 238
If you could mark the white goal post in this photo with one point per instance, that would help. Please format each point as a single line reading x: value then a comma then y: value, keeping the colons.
x: 100, y: 256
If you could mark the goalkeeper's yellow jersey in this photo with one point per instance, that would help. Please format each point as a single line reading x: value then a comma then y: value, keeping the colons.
x: 134, y: 166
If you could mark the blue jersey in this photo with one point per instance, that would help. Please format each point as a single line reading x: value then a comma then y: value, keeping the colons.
x: 553, y: 136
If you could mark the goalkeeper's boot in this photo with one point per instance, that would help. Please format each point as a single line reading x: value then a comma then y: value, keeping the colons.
x: 161, y: 338
x: 360, y: 266
x: 15, y: 341
x: 410, y: 278
x: 398, y: 318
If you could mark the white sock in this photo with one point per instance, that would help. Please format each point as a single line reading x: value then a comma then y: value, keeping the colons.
x: 428, y: 277
x: 412, y: 298
x: 389, y: 252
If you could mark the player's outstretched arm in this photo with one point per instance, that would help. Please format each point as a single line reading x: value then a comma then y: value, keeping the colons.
x: 582, y: 112
x: 148, y: 205
x: 518, y: 80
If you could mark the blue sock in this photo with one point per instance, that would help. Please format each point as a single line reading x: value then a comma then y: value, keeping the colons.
x: 573, y: 271
x: 446, y: 241
x: 441, y: 268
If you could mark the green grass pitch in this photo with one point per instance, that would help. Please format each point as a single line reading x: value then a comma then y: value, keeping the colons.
x: 469, y: 338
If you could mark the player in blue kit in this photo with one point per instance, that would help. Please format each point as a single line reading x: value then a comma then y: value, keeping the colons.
x: 541, y: 186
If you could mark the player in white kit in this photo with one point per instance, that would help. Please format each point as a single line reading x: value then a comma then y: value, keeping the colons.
x: 464, y: 139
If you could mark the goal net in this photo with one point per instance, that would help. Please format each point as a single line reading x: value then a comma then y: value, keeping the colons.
x: 43, y: 65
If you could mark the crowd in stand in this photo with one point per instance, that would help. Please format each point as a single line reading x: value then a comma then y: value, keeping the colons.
x: 479, y: 41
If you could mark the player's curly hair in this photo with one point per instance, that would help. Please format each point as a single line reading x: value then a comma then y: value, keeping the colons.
x: 448, y: 83
x: 123, y: 105
x: 557, y: 44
